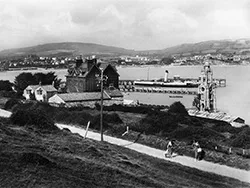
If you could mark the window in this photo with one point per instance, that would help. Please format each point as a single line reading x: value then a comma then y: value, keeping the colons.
x: 39, y: 92
x: 28, y: 91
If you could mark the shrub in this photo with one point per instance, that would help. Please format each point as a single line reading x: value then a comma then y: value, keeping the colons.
x: 74, y: 117
x: 107, y: 120
x: 196, y: 133
x: 178, y: 107
x: 133, y: 109
x: 112, y: 118
x: 157, y: 121
x: 33, y: 118
x: 10, y: 103
x: 242, y: 139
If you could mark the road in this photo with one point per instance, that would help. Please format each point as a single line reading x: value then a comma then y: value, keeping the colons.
x: 223, y: 170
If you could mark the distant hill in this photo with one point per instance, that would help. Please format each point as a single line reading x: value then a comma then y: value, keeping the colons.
x: 213, y: 46
x: 74, y: 48
x: 66, y: 48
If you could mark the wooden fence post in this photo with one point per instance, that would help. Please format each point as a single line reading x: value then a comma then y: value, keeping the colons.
x: 86, y: 132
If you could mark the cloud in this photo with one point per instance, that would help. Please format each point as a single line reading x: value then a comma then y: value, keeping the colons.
x: 136, y: 24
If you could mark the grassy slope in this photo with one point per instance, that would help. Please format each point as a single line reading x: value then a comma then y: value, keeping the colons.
x: 29, y: 158
x: 189, y: 128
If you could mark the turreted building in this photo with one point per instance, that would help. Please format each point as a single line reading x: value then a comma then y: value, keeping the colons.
x: 83, y: 76
x: 206, y: 89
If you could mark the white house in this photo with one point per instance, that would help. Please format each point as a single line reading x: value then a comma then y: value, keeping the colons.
x: 41, y: 92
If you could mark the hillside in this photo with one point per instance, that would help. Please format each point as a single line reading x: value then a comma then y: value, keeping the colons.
x: 213, y: 46
x: 31, y: 158
x: 76, y: 48
x: 66, y: 49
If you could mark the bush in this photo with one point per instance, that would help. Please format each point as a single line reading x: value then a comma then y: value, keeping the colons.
x: 157, y: 121
x: 196, y: 133
x: 107, y: 120
x: 178, y: 107
x: 242, y: 139
x: 33, y: 118
x: 73, y: 117
x: 112, y: 118
x: 11, y: 103
x: 133, y: 109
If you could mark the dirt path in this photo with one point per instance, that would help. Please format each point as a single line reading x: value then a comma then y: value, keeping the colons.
x: 223, y: 170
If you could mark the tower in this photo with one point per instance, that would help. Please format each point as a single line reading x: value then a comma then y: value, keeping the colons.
x: 206, y: 89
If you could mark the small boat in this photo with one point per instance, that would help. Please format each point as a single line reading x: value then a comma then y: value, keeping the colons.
x: 175, y: 96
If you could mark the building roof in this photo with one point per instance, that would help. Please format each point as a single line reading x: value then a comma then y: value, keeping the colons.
x: 114, y: 93
x: 85, y: 96
x: 48, y: 88
x: 215, y: 115
x: 106, y: 65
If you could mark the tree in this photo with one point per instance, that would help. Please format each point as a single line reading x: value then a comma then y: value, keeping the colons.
x: 6, y: 85
x: 178, y: 107
x: 167, y: 60
x: 47, y: 79
x: 22, y: 81
x: 25, y: 79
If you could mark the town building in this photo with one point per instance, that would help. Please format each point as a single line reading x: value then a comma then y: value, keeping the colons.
x: 84, y: 76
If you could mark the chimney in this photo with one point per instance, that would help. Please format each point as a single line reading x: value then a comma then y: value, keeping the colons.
x: 78, y: 62
x: 90, y: 63
x: 166, y: 76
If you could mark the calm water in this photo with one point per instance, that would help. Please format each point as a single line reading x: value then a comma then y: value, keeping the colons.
x: 233, y: 99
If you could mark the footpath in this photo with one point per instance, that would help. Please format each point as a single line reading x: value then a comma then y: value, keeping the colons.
x: 223, y: 170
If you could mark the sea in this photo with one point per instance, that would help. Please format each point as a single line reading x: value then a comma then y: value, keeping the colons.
x: 234, y: 99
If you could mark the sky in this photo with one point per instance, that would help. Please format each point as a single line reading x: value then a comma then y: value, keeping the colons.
x: 131, y: 24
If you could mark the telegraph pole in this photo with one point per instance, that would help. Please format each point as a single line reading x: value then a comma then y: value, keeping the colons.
x: 101, y: 79
x: 101, y: 114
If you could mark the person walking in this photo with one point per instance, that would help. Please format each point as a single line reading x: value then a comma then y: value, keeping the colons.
x: 169, y: 151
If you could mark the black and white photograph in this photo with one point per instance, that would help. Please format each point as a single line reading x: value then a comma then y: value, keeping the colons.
x: 124, y: 93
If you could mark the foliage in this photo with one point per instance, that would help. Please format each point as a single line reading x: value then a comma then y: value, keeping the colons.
x: 25, y: 79
x: 167, y: 60
x: 177, y: 107
x: 242, y: 139
x: 33, y: 118
x: 195, y: 133
x: 108, y: 119
x: 11, y: 103
x: 156, y: 122
x: 132, y: 109
x: 5, y: 85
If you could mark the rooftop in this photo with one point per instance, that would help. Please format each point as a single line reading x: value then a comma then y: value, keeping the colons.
x: 85, y: 96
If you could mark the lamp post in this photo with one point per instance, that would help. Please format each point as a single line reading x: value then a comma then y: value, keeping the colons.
x: 103, y: 78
